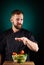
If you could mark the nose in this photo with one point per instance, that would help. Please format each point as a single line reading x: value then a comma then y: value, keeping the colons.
x: 20, y: 21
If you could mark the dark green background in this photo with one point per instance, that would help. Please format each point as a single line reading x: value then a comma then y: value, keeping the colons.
x: 32, y: 20
x: 33, y: 17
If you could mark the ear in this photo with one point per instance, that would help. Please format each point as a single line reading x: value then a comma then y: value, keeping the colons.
x: 11, y: 19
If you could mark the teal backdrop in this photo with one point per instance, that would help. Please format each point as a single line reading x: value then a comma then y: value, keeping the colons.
x: 33, y: 19
x: 31, y: 14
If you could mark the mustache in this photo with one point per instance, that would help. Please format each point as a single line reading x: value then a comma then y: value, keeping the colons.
x: 19, y: 23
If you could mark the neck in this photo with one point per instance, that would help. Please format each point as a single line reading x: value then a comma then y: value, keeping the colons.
x: 14, y: 29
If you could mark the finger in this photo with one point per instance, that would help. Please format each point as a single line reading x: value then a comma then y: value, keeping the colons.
x: 19, y: 39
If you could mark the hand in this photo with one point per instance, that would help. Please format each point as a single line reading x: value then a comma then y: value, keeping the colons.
x: 23, y: 39
x: 30, y: 44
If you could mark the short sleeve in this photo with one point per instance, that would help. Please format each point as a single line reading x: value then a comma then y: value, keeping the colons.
x: 32, y: 37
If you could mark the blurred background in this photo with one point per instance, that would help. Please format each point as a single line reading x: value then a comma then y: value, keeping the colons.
x: 33, y: 20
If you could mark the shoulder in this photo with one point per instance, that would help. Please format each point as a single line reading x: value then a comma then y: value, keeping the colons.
x: 5, y: 33
x: 26, y: 31
x: 29, y: 35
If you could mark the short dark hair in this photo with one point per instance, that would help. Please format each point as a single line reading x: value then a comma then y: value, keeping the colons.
x: 16, y: 12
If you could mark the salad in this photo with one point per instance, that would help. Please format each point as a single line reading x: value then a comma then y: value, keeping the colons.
x: 20, y: 58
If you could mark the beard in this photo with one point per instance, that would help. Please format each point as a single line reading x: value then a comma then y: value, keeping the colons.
x: 18, y: 26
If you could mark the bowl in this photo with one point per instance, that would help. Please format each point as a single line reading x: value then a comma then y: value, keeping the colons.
x: 20, y: 58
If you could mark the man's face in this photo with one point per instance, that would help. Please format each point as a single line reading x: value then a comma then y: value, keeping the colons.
x: 17, y: 20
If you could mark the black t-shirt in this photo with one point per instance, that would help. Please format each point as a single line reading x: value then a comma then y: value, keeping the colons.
x: 8, y: 44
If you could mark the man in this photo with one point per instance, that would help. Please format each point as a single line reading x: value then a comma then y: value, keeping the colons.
x: 16, y: 38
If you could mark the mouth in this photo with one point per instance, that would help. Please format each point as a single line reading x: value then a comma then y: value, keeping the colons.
x: 19, y: 23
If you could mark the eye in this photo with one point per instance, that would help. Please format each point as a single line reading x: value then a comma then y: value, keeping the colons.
x: 21, y: 19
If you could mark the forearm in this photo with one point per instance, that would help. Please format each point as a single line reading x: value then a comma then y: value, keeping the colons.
x: 32, y: 45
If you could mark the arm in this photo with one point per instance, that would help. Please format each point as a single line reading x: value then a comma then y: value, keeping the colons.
x: 30, y: 44
x: 2, y: 48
